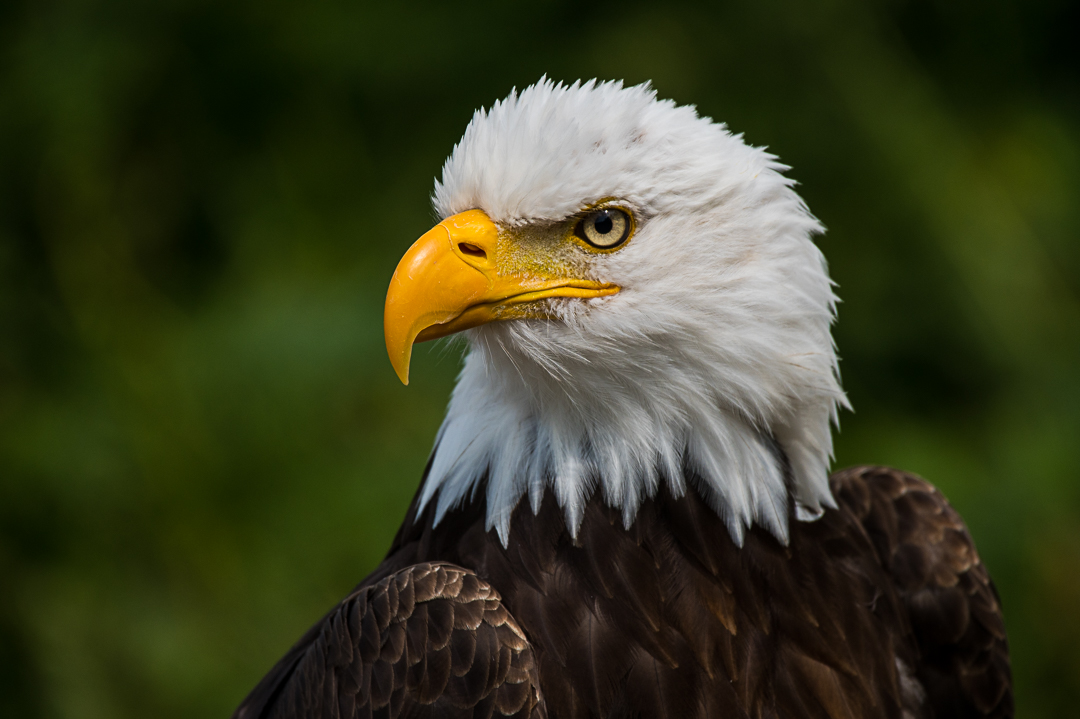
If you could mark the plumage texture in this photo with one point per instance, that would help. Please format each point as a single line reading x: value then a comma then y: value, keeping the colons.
x: 429, y: 640
x: 880, y: 608
x: 716, y: 355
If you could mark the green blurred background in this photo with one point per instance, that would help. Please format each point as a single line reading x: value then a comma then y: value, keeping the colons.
x: 202, y: 443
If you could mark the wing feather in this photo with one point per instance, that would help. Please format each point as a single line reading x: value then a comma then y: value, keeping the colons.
x: 953, y: 608
x: 431, y: 639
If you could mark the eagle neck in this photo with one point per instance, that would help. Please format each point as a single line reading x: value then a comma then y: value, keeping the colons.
x: 515, y: 436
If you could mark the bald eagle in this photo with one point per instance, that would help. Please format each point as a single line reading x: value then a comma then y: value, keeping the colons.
x: 628, y: 511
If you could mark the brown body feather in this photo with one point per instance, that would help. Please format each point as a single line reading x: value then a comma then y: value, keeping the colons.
x: 880, y: 608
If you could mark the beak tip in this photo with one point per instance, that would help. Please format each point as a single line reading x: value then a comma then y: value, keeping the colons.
x: 401, y: 369
x: 400, y: 361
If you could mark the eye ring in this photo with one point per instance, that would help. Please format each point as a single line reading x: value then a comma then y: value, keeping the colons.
x: 605, y: 228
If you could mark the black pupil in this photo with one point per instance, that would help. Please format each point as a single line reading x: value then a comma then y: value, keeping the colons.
x: 604, y: 223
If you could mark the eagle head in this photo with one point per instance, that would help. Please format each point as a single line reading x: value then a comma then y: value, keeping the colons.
x: 643, y: 304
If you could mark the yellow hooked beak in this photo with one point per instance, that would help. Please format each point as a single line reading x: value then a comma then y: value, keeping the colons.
x: 450, y: 280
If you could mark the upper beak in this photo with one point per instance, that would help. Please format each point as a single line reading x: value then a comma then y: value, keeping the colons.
x: 449, y: 281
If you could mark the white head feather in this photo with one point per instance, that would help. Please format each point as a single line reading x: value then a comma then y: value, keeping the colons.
x: 715, y: 361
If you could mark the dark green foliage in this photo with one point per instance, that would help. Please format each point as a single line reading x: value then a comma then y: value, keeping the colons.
x: 202, y: 444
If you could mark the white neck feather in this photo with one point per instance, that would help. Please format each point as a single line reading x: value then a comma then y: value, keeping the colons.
x: 529, y: 432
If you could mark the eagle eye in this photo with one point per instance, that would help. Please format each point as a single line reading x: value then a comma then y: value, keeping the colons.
x: 606, y: 228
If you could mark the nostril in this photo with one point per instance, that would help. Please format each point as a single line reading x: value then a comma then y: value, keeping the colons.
x: 467, y: 249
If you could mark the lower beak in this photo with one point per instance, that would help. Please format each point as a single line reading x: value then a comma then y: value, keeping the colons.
x: 449, y: 281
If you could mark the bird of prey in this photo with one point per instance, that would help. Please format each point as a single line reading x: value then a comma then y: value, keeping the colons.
x: 628, y: 510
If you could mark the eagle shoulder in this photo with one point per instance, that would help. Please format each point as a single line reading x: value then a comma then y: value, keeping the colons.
x: 951, y: 603
x: 432, y: 639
